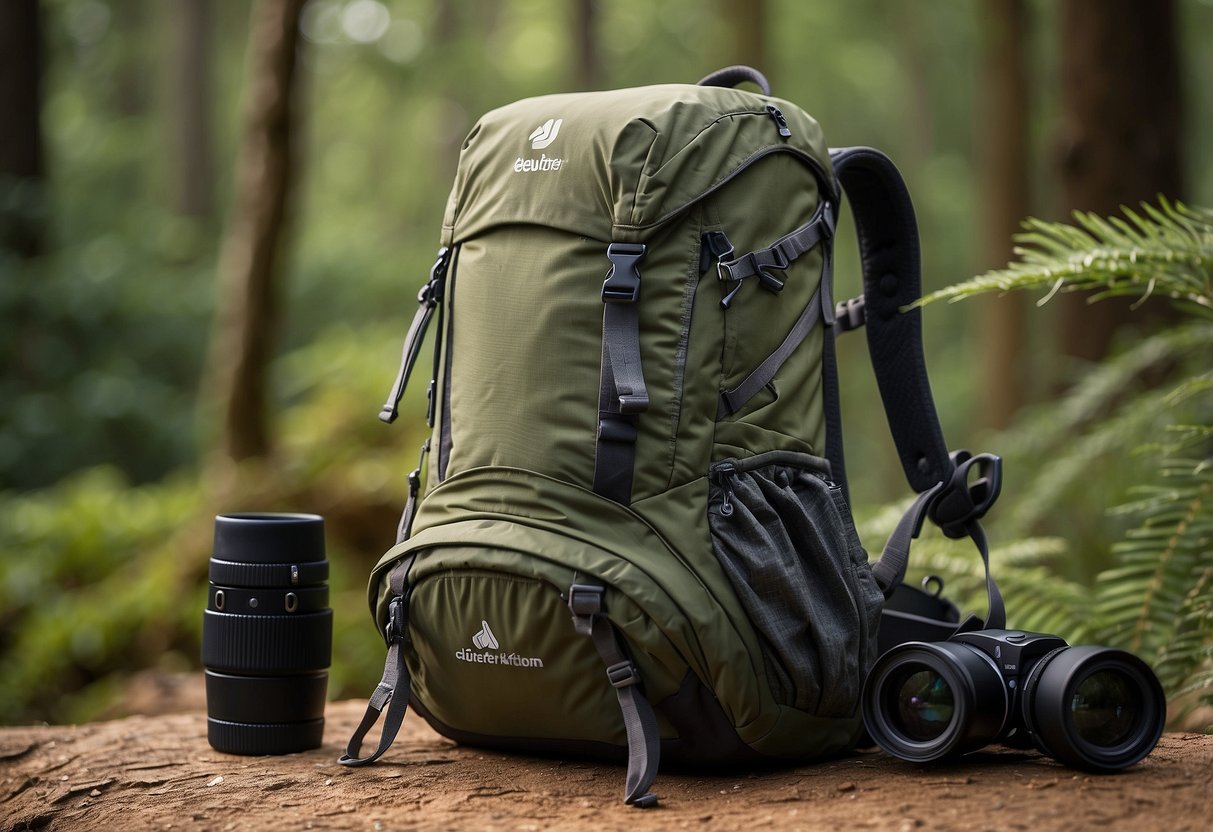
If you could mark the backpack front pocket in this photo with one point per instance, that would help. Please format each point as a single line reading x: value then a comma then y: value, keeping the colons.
x: 784, y: 536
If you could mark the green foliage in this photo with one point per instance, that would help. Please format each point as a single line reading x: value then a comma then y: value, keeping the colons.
x: 100, y: 578
x: 1165, y: 250
x: 1156, y: 597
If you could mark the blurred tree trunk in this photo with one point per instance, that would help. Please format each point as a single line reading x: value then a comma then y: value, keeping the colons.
x: 1002, y: 141
x: 1120, y: 144
x: 747, y: 21
x: 250, y: 265
x: 22, y: 171
x: 195, y: 164
x: 585, y: 45
x: 131, y: 88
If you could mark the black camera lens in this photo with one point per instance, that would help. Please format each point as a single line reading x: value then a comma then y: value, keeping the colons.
x: 921, y: 703
x: 1096, y: 708
x: 925, y: 701
x: 267, y: 634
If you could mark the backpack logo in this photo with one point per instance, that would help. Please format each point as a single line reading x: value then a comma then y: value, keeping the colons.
x: 541, y: 137
x: 485, y: 641
x: 485, y: 638
x: 545, y: 133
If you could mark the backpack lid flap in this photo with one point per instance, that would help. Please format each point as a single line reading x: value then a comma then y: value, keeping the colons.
x: 606, y: 165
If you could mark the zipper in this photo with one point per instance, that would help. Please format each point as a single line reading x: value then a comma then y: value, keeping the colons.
x: 780, y: 121
x: 824, y: 183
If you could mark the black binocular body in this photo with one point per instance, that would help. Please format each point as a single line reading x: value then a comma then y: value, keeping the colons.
x: 1094, y: 708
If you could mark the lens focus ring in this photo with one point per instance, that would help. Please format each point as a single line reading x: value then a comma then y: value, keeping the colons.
x: 231, y: 573
x: 267, y: 644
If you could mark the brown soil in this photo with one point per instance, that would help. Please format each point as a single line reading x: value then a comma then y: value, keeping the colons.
x: 158, y: 772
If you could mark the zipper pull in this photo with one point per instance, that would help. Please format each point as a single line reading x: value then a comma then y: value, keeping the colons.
x: 724, y: 478
x: 780, y: 121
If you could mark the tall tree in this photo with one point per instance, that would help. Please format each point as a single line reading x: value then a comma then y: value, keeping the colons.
x: 747, y: 23
x: 586, y: 55
x: 193, y: 59
x: 1002, y: 139
x: 1121, y: 121
x: 250, y: 263
x: 21, y: 153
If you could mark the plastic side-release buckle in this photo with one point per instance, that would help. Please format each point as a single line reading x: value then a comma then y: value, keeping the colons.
x: 622, y: 284
x: 397, y: 620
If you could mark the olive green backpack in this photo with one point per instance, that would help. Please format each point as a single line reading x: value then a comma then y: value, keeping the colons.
x: 632, y: 539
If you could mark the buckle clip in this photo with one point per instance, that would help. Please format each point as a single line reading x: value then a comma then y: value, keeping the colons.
x: 396, y: 621
x: 585, y: 599
x: 622, y: 284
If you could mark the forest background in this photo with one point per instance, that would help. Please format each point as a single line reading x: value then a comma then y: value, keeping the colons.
x: 215, y: 215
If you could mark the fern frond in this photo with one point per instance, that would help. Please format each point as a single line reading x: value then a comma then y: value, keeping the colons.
x: 1168, y: 251
x: 1161, y: 590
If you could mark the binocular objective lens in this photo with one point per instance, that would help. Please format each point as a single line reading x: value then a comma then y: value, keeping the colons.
x: 1096, y: 708
x: 922, y: 703
x: 1106, y: 708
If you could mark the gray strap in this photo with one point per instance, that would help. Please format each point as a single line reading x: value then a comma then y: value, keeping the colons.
x: 622, y: 395
x: 392, y: 691
x: 733, y: 400
x: 639, y: 721
x: 890, y: 570
x: 410, y: 508
x: 428, y: 300
x: 780, y: 254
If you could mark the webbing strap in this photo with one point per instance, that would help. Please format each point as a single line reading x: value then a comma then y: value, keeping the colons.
x: 889, y: 253
x: 970, y: 503
x: 622, y: 393
x: 639, y: 721
x: 733, y: 400
x: 410, y: 507
x: 428, y: 300
x: 780, y: 254
x: 392, y: 691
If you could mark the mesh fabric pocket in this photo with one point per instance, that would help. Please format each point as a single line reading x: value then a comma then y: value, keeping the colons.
x: 784, y: 535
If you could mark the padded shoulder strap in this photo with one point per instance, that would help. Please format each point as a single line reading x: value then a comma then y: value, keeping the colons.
x: 889, y: 253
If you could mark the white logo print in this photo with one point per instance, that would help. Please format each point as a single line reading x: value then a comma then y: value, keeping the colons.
x: 546, y: 133
x: 541, y: 137
x: 484, y: 638
x: 484, y: 641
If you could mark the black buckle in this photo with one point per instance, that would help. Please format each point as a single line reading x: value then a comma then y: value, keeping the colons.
x: 962, y: 503
x: 622, y: 284
x: 585, y: 599
x: 614, y: 428
x: 623, y: 674
x: 396, y: 621
x: 431, y: 293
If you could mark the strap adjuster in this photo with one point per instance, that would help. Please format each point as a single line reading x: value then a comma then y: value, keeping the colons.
x: 850, y: 314
x: 962, y: 503
x: 623, y: 674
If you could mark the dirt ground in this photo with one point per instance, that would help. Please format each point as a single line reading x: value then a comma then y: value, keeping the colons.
x: 158, y: 772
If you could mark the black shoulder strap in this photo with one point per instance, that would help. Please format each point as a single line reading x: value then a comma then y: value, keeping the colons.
x: 955, y: 490
x: 889, y: 253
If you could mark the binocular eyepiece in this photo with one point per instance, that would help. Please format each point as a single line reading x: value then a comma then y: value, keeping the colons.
x: 1094, y: 708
